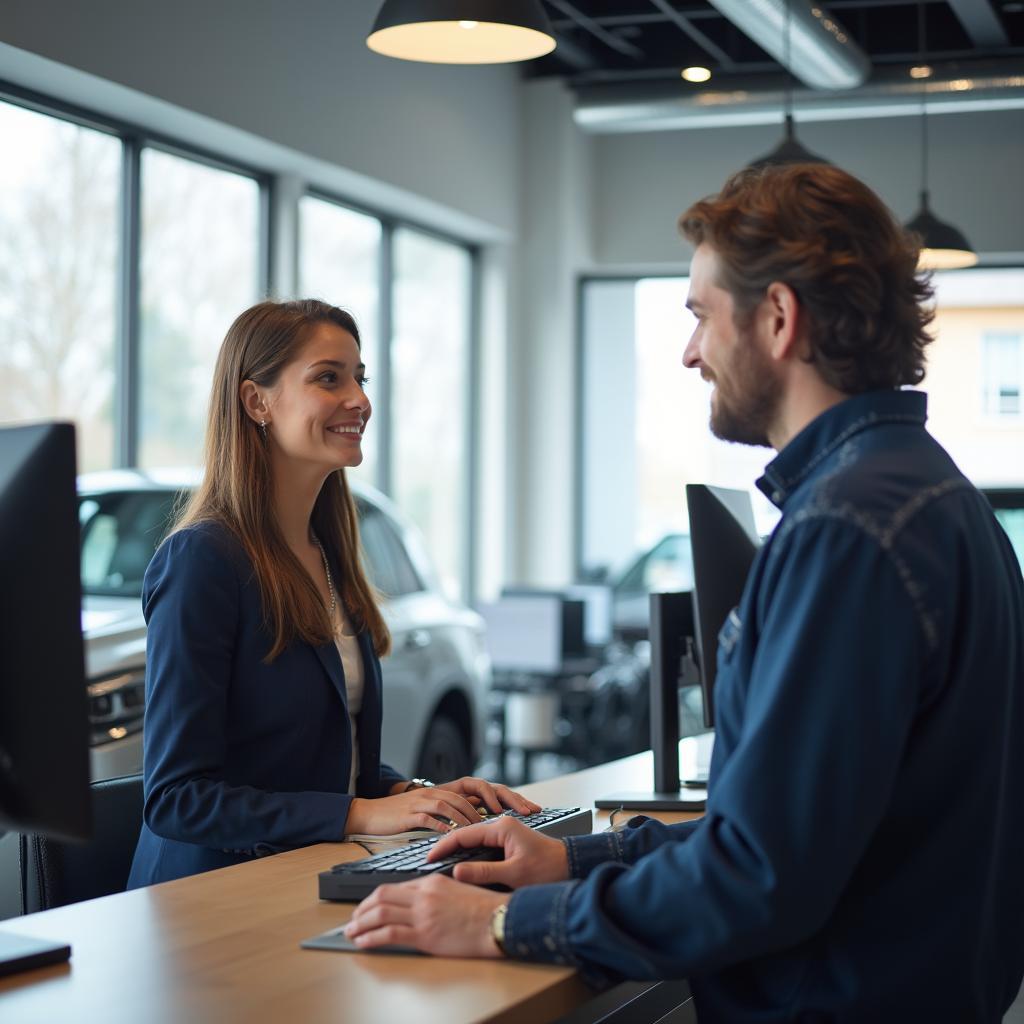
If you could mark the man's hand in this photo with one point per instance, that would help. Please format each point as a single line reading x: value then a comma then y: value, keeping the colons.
x: 434, y: 914
x: 530, y: 858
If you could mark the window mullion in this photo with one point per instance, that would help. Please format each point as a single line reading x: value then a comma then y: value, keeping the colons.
x: 127, y: 345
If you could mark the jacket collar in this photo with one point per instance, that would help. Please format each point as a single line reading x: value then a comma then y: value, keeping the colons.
x: 827, y: 432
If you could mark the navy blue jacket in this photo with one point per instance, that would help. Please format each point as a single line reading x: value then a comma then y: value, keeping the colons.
x: 241, y: 758
x: 862, y: 853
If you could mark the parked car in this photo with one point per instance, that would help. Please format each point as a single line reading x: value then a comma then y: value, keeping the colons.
x: 436, y: 679
x: 664, y: 568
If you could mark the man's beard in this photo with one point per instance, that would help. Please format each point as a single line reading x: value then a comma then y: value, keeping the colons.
x: 747, y: 401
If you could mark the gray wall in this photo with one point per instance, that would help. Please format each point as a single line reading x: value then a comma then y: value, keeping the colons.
x: 643, y: 182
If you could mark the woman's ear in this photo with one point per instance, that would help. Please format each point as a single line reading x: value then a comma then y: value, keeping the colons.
x: 254, y: 402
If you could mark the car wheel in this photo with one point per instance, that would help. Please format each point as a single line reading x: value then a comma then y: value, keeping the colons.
x: 444, y: 755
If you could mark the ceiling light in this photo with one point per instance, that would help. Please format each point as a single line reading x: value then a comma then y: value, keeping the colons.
x: 921, y: 71
x: 696, y: 74
x: 462, y: 31
x: 943, y: 247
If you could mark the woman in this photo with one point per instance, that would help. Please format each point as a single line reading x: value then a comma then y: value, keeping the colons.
x: 263, y: 712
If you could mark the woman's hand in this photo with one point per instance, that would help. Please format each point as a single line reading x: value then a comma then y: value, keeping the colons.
x: 433, y: 914
x: 434, y: 808
x: 494, y: 797
x: 530, y: 858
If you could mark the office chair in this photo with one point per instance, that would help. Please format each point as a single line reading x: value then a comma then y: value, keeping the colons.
x: 55, y: 873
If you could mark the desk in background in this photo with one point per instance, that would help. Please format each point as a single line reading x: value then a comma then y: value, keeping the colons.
x: 224, y: 946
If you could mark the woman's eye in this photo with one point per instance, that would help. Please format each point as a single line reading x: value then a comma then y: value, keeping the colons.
x: 328, y: 377
x: 362, y: 381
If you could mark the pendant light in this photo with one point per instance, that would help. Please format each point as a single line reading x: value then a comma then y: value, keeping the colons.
x: 789, y: 150
x: 943, y: 247
x: 462, y: 31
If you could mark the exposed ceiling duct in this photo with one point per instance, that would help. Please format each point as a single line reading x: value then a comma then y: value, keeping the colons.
x: 821, y: 53
x: 602, y: 109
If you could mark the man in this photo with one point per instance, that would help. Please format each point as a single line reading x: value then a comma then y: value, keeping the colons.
x: 862, y: 853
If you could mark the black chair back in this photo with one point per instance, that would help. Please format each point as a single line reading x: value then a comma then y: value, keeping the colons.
x: 55, y: 873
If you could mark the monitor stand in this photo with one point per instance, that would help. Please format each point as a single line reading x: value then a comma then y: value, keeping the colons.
x: 672, y: 666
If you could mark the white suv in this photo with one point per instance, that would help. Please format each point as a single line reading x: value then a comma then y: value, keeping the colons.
x: 436, y: 679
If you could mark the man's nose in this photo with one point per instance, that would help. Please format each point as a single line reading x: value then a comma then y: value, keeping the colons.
x: 691, y: 354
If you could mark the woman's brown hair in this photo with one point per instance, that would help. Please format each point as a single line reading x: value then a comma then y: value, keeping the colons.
x: 835, y: 243
x: 237, y: 489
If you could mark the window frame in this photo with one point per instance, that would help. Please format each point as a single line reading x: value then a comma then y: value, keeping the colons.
x: 134, y: 138
x: 382, y: 373
x: 127, y: 331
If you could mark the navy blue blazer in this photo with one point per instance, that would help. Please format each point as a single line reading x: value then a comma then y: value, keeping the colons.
x: 241, y: 758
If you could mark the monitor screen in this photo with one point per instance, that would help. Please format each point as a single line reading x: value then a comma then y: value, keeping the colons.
x: 724, y: 541
x: 44, y: 750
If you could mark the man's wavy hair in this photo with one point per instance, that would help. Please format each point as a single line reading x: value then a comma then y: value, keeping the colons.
x: 851, y: 264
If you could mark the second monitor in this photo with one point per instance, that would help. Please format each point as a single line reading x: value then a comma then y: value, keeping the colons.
x: 724, y: 542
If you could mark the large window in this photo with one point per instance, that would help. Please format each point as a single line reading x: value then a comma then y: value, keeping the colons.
x: 121, y: 267
x: 975, y: 373
x: 430, y: 360
x: 645, y: 423
x: 645, y: 417
x: 125, y: 258
x: 59, y: 194
x: 339, y: 262
x: 200, y: 269
x: 410, y: 293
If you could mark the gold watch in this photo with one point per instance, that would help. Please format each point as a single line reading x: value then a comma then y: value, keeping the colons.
x: 498, y: 926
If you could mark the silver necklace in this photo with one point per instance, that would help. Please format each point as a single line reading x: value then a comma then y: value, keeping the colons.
x: 330, y: 579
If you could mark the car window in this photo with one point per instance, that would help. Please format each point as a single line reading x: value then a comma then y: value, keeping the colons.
x: 119, y: 533
x: 387, y: 563
x: 670, y: 567
x: 667, y: 567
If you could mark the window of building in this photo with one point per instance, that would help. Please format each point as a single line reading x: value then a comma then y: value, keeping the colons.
x: 430, y: 367
x: 59, y: 195
x: 199, y: 270
x: 339, y: 262
x: 1002, y: 377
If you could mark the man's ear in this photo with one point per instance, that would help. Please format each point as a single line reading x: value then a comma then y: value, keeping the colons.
x: 782, y: 321
x: 254, y: 402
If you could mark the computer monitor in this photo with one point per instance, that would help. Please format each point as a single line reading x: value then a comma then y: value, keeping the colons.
x: 44, y: 744
x: 724, y: 542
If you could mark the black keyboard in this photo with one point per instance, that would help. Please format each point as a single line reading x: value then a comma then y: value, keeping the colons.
x: 358, y: 878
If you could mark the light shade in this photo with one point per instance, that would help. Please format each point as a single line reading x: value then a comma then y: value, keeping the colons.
x: 788, y: 151
x: 462, y: 31
x: 943, y: 247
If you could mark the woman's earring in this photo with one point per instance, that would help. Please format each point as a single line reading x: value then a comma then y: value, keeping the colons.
x: 263, y: 428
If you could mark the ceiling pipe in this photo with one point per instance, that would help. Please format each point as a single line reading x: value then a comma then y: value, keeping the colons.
x: 608, y: 109
x: 822, y: 54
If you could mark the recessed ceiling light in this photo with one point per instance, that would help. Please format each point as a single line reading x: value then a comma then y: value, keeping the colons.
x: 921, y: 71
x: 696, y: 74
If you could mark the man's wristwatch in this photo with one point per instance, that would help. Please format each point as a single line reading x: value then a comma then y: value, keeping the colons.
x: 498, y: 926
x: 418, y: 784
